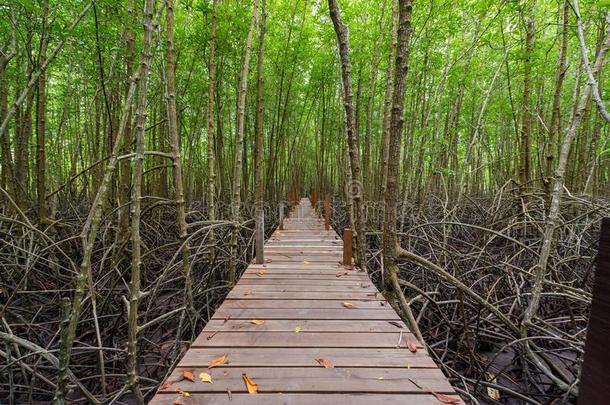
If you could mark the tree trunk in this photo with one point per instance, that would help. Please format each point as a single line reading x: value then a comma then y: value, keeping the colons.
x: 355, y: 188
x: 41, y: 119
x: 390, y: 239
x: 259, y: 191
x: 239, y: 144
x: 174, y: 138
x: 560, y: 73
x: 210, y: 117
x: 526, y: 124
x: 387, y: 108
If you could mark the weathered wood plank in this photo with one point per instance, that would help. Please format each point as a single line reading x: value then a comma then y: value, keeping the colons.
x: 290, y: 304
x: 299, y: 357
x: 317, y: 379
x: 302, y: 339
x: 299, y: 399
x: 314, y: 325
x: 305, y: 295
x: 339, y: 313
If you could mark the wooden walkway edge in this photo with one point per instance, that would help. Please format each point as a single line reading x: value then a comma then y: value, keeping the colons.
x: 312, y: 308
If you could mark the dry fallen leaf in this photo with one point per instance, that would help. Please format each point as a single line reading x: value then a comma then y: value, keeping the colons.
x: 247, y: 291
x: 395, y: 324
x: 165, y: 386
x: 261, y: 272
x: 257, y: 321
x: 218, y: 361
x: 306, y: 261
x: 297, y: 329
x: 446, y: 399
x: 348, y: 305
x: 205, y: 377
x: 411, y: 344
x: 188, y: 375
x: 250, y: 385
x: 341, y: 273
x: 268, y: 260
x: 183, y: 393
x: 325, y: 363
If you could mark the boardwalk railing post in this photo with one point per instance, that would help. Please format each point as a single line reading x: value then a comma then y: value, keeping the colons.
x: 281, y: 216
x: 595, y: 384
x: 347, y: 247
x: 326, y: 212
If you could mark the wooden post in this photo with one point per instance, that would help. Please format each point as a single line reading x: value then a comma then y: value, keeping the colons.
x: 326, y: 212
x: 314, y: 201
x: 347, y: 247
x: 595, y: 384
x: 281, y: 216
x: 260, y: 237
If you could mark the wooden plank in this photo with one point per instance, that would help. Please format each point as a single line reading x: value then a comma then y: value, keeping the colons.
x: 338, y: 312
x: 346, y: 288
x: 331, y: 280
x: 352, y: 296
x: 317, y: 379
x: 289, y: 304
x: 298, y: 399
x: 284, y: 325
x: 299, y: 357
x: 271, y: 277
x: 302, y: 339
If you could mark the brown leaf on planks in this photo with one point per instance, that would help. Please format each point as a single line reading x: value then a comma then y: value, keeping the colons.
x: 348, y: 305
x: 325, y: 363
x: 446, y: 399
x: 341, y: 273
x: 248, y: 291
x: 188, y: 375
x: 261, y: 272
x: 395, y: 324
x: 218, y: 361
x: 250, y: 385
x: 257, y: 321
x: 165, y: 386
x: 411, y: 344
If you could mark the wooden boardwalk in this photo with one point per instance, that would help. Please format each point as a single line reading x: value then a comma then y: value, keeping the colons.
x: 312, y: 308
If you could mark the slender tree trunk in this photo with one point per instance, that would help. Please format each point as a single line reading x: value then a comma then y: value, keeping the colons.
x: 526, y: 124
x: 387, y: 108
x: 174, y: 138
x: 136, y: 209
x: 259, y: 191
x: 211, y: 97
x: 355, y: 188
x: 560, y: 73
x: 41, y: 120
x: 125, y: 167
x: 390, y: 239
x: 239, y: 144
